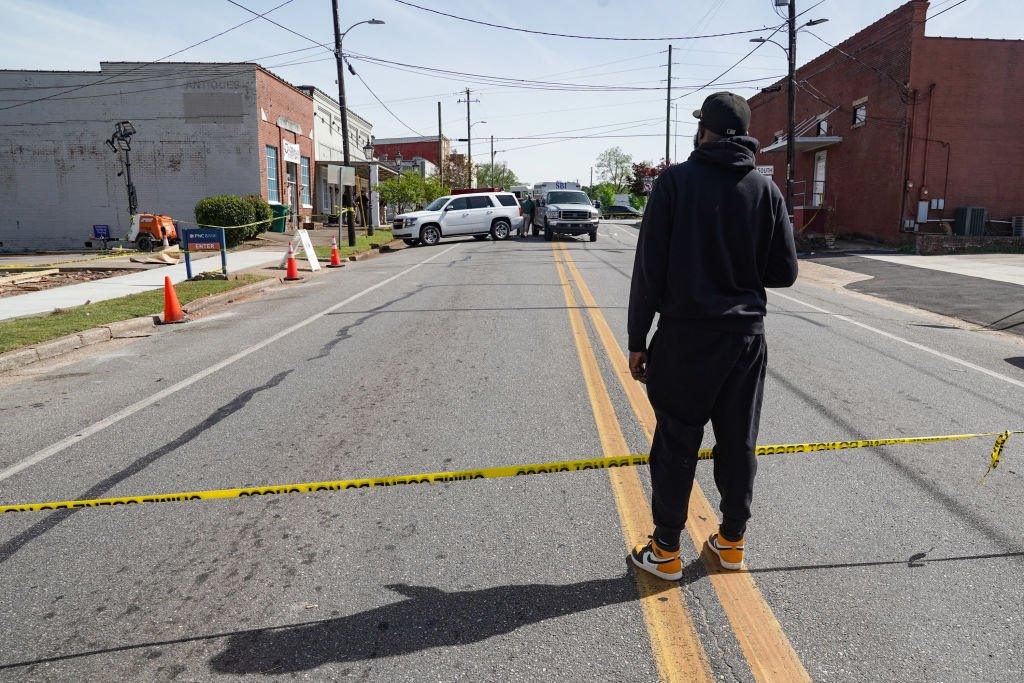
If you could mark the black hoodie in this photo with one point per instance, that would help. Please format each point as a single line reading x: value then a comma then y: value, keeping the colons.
x: 715, y: 234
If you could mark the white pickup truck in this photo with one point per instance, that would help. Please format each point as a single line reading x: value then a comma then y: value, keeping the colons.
x: 564, y: 209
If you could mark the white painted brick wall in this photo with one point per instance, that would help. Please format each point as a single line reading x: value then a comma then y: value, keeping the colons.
x: 58, y: 178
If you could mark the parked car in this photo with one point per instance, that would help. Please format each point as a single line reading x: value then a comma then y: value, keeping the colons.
x: 620, y: 211
x: 567, y: 212
x: 478, y: 214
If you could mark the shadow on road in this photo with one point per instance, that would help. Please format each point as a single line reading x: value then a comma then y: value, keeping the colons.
x: 426, y: 618
x: 52, y: 519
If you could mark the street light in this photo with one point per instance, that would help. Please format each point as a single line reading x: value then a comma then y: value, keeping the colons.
x: 791, y: 88
x: 368, y: 149
x: 339, y: 59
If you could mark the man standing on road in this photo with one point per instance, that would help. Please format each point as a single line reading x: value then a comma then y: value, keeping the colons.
x: 527, y: 205
x: 714, y: 235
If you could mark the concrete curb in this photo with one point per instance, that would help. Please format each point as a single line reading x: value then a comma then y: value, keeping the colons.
x: 123, y: 329
x: 142, y: 326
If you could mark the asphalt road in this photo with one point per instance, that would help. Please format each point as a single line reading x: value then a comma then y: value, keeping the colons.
x: 875, y: 564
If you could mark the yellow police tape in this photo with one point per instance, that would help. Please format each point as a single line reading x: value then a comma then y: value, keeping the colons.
x: 491, y: 473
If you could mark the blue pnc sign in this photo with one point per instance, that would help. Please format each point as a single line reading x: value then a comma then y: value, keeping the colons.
x: 204, y: 239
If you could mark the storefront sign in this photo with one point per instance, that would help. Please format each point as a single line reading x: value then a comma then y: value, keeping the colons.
x: 204, y: 239
x: 292, y: 155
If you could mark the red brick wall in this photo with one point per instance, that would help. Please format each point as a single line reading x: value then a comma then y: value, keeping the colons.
x: 975, y: 107
x: 279, y: 99
x: 427, y: 150
x: 864, y: 172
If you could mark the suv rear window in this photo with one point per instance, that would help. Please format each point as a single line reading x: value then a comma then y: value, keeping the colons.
x: 507, y: 199
x: 480, y: 202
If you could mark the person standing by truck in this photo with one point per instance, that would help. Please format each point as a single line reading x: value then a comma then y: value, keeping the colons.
x: 527, y: 205
x: 714, y: 235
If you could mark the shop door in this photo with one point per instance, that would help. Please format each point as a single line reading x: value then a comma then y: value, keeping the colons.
x: 293, y: 192
x: 818, y: 192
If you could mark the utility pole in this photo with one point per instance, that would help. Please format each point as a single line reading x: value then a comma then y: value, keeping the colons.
x: 346, y: 155
x: 440, y: 148
x: 675, y: 137
x: 491, y: 171
x: 591, y: 177
x: 791, y: 134
x: 469, y: 140
x: 668, y: 107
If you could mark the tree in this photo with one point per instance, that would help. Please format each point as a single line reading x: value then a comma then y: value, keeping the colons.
x: 455, y: 171
x: 603, y: 192
x: 402, y: 191
x: 495, y: 175
x: 432, y: 189
x: 614, y: 167
x: 642, y: 177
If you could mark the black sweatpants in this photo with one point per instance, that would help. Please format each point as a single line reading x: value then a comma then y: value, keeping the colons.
x: 694, y: 375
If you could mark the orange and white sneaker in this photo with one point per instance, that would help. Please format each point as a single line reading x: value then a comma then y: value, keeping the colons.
x: 651, y: 557
x: 730, y: 553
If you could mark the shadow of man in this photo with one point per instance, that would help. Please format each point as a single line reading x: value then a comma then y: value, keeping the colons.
x: 426, y: 618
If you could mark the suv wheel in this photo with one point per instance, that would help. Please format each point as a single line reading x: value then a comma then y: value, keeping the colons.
x: 547, y: 233
x: 430, y: 235
x: 501, y: 229
x: 593, y: 235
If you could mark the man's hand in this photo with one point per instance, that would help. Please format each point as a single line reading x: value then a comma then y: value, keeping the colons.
x: 638, y: 366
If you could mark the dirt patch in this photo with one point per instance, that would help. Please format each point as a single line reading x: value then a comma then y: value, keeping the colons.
x: 49, y: 281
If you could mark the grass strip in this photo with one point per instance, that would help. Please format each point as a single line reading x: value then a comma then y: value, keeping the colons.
x: 362, y: 244
x: 20, y: 332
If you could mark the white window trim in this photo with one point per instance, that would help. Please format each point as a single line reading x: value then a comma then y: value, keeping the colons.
x: 856, y: 104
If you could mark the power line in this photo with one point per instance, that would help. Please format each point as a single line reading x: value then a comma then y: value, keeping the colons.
x: 178, y: 52
x: 570, y: 35
x: 187, y: 78
x: 290, y: 30
x: 386, y: 108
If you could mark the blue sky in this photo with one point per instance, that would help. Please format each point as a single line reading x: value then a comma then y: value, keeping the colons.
x: 78, y: 34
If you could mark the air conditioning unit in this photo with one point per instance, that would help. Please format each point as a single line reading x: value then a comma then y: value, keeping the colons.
x: 1017, y: 223
x: 970, y: 220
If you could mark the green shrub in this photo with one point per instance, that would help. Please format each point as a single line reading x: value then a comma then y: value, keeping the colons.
x: 229, y: 210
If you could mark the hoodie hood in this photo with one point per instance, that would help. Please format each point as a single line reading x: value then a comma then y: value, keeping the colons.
x: 735, y: 152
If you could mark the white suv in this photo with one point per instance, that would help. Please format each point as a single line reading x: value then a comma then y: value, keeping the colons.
x: 478, y: 214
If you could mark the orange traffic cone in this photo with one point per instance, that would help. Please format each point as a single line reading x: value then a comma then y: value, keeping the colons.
x: 172, y: 309
x: 292, y: 273
x: 335, y: 256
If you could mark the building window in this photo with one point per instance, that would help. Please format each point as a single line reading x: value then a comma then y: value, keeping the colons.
x: 779, y: 134
x: 272, y: 192
x: 304, y: 176
x: 860, y: 113
x: 823, y: 127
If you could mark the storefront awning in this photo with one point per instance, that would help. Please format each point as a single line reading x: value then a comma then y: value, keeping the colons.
x: 805, y: 144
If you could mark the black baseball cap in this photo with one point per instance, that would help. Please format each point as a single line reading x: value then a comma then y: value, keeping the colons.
x: 725, y: 113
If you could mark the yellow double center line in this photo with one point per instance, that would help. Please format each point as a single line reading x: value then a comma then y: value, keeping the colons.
x: 760, y: 636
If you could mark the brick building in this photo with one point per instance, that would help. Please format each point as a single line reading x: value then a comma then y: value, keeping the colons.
x: 202, y: 129
x: 424, y: 147
x: 896, y: 130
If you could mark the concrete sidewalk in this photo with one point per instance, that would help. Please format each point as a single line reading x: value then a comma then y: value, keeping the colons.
x: 1007, y: 268
x: 971, y: 288
x: 47, y: 300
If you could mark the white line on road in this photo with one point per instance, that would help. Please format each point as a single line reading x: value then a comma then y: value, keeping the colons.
x: 919, y: 347
x: 95, y: 427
